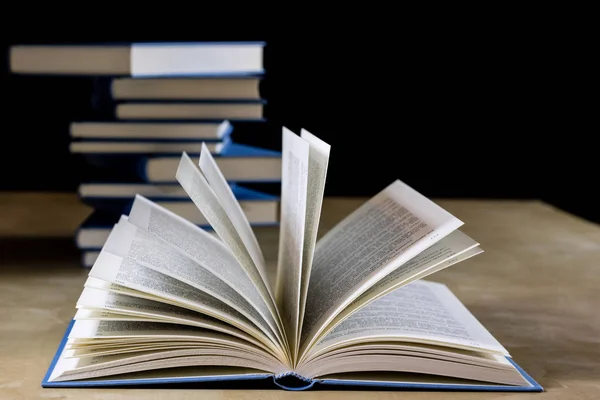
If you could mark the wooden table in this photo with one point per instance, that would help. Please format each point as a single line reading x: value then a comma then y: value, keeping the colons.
x: 536, y: 288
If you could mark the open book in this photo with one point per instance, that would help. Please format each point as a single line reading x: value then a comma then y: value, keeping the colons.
x: 169, y: 302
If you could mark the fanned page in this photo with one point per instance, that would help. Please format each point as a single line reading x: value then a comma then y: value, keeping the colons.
x: 202, y: 194
x: 305, y: 160
x: 197, y: 347
x: 108, y: 305
x: 128, y: 244
x: 384, y: 233
x: 206, y: 250
x: 318, y: 161
x: 422, y: 312
x: 420, y: 328
x: 148, y: 304
x: 454, y: 248
x: 232, y: 209
x: 291, y: 236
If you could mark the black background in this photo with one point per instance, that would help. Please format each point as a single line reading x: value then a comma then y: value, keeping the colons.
x: 454, y: 109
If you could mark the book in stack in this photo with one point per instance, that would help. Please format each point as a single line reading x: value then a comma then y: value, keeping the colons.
x: 166, y: 302
x: 154, y: 101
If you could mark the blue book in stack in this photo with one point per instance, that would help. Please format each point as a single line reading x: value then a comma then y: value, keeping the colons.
x: 151, y: 102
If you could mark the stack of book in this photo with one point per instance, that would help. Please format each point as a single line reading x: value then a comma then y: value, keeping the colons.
x: 151, y: 102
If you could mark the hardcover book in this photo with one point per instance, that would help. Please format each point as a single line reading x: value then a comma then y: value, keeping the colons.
x: 151, y: 130
x: 239, y: 163
x: 140, y: 60
x: 168, y: 302
x: 238, y: 88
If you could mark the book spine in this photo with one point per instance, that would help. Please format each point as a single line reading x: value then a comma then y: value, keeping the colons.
x: 293, y: 382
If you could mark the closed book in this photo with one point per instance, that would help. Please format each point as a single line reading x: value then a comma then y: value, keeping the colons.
x: 161, y: 59
x: 210, y: 110
x: 151, y: 130
x: 216, y: 88
x: 148, y: 147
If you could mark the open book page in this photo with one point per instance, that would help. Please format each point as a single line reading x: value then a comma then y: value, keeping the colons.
x: 209, y: 348
x: 204, y: 197
x: 422, y: 312
x: 203, y: 248
x: 90, y: 314
x: 206, y: 372
x: 452, y: 249
x: 411, y: 363
x: 232, y: 209
x: 131, y: 333
x: 295, y: 153
x: 445, y: 264
x: 127, y: 350
x: 124, y: 307
x: 67, y: 369
x: 108, y: 363
x: 317, y: 172
x: 414, y: 349
x: 114, y: 269
x: 388, y: 230
x: 100, y: 284
x: 128, y: 241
